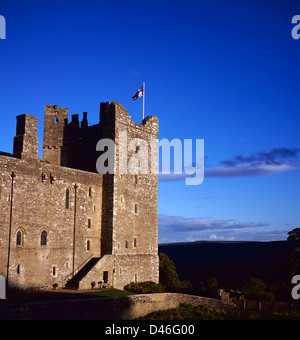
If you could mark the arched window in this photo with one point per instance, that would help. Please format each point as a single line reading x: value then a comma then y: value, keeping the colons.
x: 20, y: 238
x: 68, y: 199
x: 44, y: 238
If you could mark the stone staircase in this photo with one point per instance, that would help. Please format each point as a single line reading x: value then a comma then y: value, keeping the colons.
x: 73, y: 283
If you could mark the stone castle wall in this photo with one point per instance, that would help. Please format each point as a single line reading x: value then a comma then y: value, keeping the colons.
x: 83, y: 215
x: 118, y: 308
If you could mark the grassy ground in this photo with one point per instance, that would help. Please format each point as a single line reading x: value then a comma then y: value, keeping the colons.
x: 17, y: 297
x: 188, y: 312
x: 108, y: 293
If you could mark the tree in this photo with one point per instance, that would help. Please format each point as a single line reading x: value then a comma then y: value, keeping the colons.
x: 294, y: 235
x: 295, y: 262
x: 212, y: 284
x: 253, y: 285
x: 168, y: 275
x: 167, y: 272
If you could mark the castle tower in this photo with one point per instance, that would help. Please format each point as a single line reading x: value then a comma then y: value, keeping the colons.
x: 129, y: 210
x: 55, y: 119
x: 26, y: 141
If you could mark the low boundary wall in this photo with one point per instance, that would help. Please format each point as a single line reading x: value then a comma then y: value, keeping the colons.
x: 115, y: 308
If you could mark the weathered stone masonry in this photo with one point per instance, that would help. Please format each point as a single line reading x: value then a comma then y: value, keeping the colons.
x: 62, y: 222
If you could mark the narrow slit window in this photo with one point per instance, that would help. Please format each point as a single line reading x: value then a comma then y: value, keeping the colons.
x: 43, y: 238
x: 105, y: 277
x: 19, y: 238
x: 68, y: 199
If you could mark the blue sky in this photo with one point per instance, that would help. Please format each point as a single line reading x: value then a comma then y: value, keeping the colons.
x: 223, y: 71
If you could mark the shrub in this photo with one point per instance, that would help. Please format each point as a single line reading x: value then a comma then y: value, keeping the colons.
x: 144, y: 287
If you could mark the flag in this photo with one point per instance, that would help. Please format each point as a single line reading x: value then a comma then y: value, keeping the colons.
x: 140, y: 93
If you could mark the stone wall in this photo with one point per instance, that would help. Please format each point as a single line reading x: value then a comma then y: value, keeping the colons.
x: 135, y: 224
x: 39, y: 205
x: 118, y: 308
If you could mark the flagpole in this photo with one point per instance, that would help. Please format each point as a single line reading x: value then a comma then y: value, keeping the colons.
x: 143, y: 101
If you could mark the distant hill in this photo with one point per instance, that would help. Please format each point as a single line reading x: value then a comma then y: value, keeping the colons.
x: 229, y: 261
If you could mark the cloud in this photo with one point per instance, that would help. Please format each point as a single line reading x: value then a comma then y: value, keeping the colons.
x: 247, y: 170
x: 262, y: 163
x: 274, y: 157
x: 240, y: 170
x: 186, y: 224
x: 182, y: 229
x: 214, y: 237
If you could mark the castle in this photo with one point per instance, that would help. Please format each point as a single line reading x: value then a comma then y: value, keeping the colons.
x: 61, y: 222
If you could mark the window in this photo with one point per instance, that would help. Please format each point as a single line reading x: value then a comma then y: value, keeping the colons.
x: 53, y: 271
x: 88, y: 245
x: 135, y: 277
x: 68, y: 199
x: 56, y: 117
x: 20, y: 238
x: 18, y: 269
x: 136, y: 208
x: 44, y: 238
x: 105, y: 277
x: 126, y: 244
x: 90, y: 192
x: 134, y: 243
x: 89, y: 223
x: 136, y: 179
